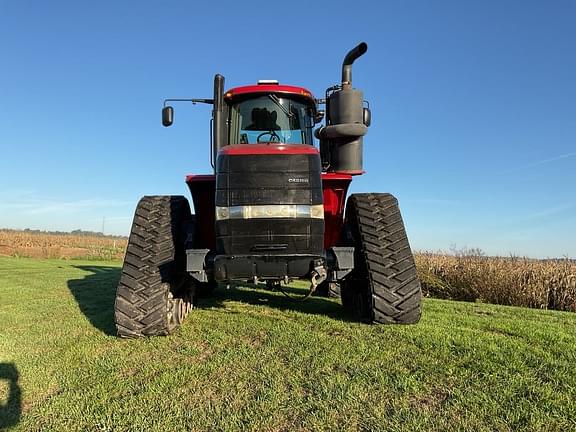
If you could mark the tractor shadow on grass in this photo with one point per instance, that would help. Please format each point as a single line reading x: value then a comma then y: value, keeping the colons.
x: 258, y: 296
x: 11, y: 404
x: 95, y: 294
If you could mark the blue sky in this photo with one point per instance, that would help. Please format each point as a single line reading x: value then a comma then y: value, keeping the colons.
x: 473, y: 103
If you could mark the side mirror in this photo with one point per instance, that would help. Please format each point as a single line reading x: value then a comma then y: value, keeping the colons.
x: 366, y: 117
x: 319, y: 116
x: 167, y: 116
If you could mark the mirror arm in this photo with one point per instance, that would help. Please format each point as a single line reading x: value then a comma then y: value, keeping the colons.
x: 194, y: 101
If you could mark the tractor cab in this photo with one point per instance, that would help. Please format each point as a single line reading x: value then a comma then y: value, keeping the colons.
x: 270, y: 113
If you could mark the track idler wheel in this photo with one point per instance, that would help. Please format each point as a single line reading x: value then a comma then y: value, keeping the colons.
x: 179, y: 308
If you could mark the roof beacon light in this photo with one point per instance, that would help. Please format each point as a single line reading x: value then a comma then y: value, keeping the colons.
x: 267, y: 82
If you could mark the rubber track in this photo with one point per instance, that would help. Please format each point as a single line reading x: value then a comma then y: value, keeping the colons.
x: 151, y: 264
x: 384, y: 282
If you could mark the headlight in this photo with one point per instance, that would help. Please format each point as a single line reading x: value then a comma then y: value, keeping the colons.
x: 270, y: 211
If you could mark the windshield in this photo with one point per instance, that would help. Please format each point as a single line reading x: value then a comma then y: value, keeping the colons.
x: 271, y: 118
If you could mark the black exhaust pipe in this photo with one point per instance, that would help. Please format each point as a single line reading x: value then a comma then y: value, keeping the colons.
x: 352, y: 55
x: 218, y: 116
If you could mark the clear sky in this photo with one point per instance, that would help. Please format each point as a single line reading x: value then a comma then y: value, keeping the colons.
x: 473, y: 107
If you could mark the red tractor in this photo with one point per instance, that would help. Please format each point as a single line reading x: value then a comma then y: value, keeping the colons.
x: 272, y: 211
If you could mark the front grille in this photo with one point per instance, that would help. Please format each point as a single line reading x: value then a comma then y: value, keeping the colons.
x: 269, y: 204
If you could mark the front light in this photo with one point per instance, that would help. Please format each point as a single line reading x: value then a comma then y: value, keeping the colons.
x: 270, y: 211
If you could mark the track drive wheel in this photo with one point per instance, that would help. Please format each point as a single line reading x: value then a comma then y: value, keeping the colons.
x: 383, y: 287
x: 155, y: 293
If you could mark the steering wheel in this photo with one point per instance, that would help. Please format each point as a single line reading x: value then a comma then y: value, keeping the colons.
x: 273, y: 136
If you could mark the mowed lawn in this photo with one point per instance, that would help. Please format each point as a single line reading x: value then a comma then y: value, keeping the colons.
x: 249, y: 359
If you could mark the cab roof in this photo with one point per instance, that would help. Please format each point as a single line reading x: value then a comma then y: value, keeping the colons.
x: 269, y: 88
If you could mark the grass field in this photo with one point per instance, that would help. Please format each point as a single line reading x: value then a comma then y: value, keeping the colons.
x: 249, y: 359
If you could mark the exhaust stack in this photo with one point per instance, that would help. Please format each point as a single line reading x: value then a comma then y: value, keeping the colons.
x: 347, y: 122
x: 352, y: 55
x: 218, y: 118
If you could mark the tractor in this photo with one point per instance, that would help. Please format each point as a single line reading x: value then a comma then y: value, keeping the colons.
x: 274, y: 210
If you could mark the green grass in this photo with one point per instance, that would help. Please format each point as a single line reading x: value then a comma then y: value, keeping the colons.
x: 249, y: 359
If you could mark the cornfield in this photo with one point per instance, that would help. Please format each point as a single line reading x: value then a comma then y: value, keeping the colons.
x: 541, y: 284
x: 63, y: 246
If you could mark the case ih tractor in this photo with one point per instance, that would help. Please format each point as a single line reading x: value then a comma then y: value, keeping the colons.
x: 272, y: 211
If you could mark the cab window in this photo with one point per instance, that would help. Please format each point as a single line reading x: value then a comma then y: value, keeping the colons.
x: 271, y: 118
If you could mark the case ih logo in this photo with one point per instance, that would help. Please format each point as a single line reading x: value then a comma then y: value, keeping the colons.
x: 297, y: 180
